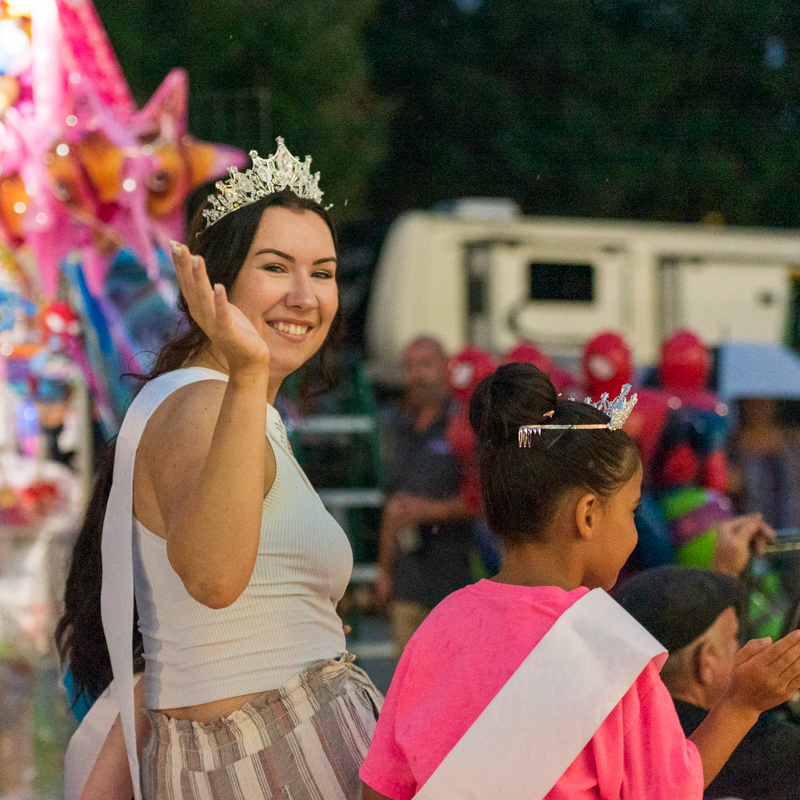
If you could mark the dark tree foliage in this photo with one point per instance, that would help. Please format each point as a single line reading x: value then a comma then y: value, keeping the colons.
x: 307, y: 54
x: 649, y: 109
x: 614, y: 108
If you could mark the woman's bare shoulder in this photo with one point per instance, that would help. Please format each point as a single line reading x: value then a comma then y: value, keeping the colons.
x: 185, y: 419
x: 174, y: 445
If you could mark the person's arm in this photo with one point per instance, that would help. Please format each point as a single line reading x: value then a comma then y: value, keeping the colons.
x: 765, y: 676
x: 411, y: 510
x: 110, y: 778
x: 370, y: 794
x: 212, y: 463
x: 401, y: 511
x: 736, y: 539
x: 386, y: 551
x: 209, y: 475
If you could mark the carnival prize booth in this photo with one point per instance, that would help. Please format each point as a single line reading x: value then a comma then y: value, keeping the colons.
x: 91, y: 190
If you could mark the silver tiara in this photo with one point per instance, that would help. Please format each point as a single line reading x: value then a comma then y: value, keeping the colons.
x: 281, y: 170
x: 618, y: 409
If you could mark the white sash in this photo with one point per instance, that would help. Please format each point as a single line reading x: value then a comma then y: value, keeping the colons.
x: 550, y: 708
x: 87, y: 741
x: 116, y: 598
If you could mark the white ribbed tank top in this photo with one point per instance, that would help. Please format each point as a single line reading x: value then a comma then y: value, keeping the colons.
x: 284, y: 620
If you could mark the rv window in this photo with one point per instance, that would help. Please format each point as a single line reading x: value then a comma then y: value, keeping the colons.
x: 569, y: 282
x: 476, y: 294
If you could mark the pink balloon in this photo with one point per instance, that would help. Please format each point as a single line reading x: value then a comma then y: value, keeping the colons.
x: 82, y: 104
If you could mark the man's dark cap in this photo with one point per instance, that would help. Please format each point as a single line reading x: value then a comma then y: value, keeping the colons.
x: 677, y: 604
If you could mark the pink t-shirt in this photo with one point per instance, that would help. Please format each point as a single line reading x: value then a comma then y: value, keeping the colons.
x: 458, y: 660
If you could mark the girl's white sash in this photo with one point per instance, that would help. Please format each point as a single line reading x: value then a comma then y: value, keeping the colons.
x: 549, y: 709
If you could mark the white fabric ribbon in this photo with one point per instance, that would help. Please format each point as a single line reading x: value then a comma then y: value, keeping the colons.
x: 87, y: 741
x: 116, y: 598
x: 549, y: 709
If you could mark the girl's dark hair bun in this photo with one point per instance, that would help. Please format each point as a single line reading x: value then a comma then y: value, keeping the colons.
x: 521, y: 487
x: 513, y: 395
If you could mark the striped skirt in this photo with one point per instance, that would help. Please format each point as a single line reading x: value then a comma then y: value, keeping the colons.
x: 304, y: 741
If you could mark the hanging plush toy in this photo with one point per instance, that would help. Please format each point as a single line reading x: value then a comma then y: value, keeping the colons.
x: 529, y: 353
x: 52, y: 368
x: 61, y: 362
x: 606, y: 365
x: 466, y: 370
x: 697, y: 454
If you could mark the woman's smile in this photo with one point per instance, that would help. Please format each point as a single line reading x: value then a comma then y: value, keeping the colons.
x: 293, y: 330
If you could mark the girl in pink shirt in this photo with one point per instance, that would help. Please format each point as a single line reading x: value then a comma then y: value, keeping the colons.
x: 564, y: 509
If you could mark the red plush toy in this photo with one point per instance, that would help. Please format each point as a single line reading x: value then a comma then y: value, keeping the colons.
x: 607, y: 365
x: 467, y: 369
x: 529, y: 353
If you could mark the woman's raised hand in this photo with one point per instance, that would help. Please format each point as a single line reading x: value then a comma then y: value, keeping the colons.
x: 227, y: 328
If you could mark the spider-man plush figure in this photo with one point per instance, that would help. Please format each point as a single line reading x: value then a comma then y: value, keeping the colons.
x: 606, y: 364
x: 681, y: 428
x: 467, y: 369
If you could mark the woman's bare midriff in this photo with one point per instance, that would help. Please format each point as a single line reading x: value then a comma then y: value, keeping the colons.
x: 208, y: 712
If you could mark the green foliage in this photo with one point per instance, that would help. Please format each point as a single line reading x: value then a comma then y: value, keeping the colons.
x: 616, y: 108
x: 650, y: 109
x: 307, y: 53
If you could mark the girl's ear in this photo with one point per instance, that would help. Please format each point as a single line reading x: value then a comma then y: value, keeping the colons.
x: 587, y: 513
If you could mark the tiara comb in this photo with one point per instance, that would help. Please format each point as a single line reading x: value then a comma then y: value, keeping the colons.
x: 279, y: 171
x: 618, y: 409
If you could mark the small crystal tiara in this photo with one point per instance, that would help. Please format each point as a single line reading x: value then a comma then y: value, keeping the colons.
x: 618, y: 410
x: 281, y: 170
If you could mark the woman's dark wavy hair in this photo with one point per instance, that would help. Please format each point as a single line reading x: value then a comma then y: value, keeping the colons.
x: 522, y: 487
x: 79, y: 635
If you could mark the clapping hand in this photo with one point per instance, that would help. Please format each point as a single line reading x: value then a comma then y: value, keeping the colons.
x: 766, y: 674
x: 236, y: 338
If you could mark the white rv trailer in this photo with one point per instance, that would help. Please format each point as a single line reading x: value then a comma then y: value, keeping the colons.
x: 487, y: 278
